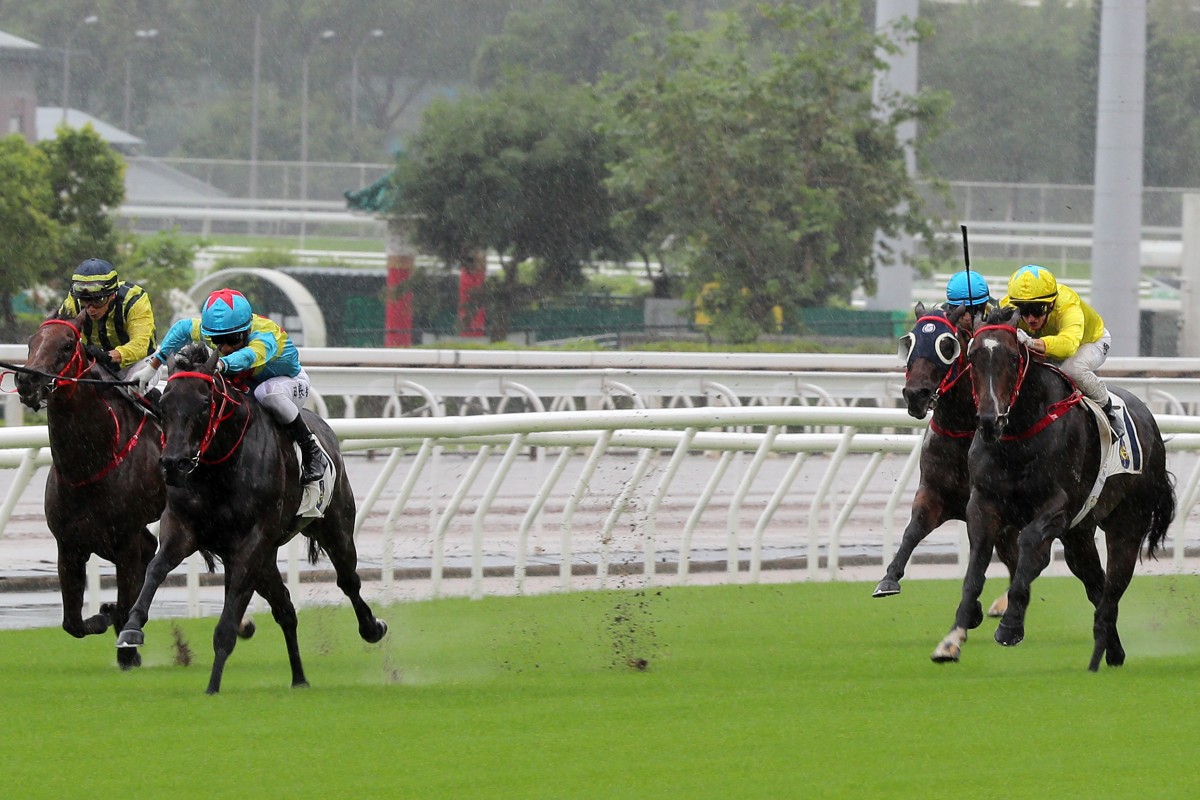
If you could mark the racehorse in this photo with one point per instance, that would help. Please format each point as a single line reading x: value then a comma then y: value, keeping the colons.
x: 934, y: 352
x: 233, y: 492
x: 1034, y: 465
x: 105, y: 485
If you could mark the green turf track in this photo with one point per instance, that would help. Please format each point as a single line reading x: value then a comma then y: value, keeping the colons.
x: 776, y: 691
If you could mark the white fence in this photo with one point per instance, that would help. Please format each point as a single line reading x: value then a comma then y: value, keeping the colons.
x: 657, y: 491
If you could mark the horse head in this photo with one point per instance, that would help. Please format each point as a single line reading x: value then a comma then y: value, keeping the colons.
x: 933, y: 356
x: 56, y: 355
x: 190, y: 411
x: 998, y: 361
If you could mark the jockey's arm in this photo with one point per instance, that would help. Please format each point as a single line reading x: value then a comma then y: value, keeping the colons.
x: 259, y: 349
x: 139, y: 325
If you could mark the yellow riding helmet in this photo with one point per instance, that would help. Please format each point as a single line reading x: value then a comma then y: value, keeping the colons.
x: 1032, y: 284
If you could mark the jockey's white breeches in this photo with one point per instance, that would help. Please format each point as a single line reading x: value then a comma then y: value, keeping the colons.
x: 1083, y: 365
x: 284, y: 397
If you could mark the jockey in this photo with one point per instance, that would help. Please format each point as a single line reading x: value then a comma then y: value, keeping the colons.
x: 968, y: 288
x: 119, y: 328
x: 1056, y: 323
x: 258, y: 349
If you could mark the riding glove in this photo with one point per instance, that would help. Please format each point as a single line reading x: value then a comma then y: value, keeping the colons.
x: 100, y: 355
x: 144, y: 376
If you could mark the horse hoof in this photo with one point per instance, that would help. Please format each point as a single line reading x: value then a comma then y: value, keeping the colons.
x: 381, y: 630
x: 131, y: 638
x: 1000, y: 606
x: 247, y: 630
x: 128, y: 658
x: 945, y: 656
x: 886, y: 588
x: 1009, y: 635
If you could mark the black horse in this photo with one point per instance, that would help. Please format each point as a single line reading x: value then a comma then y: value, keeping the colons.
x: 936, y: 359
x: 1034, y: 466
x: 105, y: 485
x: 233, y: 493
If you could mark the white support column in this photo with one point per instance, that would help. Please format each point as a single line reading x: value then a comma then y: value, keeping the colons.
x: 1189, y: 285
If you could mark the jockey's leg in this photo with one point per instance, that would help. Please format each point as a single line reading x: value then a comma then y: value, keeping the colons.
x: 1082, y: 368
x: 283, y: 397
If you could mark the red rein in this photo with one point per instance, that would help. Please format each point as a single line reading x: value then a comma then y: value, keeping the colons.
x: 1053, y: 411
x: 217, y: 414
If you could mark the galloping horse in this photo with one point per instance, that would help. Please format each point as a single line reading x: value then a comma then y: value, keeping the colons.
x: 233, y: 492
x: 1034, y: 465
x: 105, y: 485
x: 935, y: 356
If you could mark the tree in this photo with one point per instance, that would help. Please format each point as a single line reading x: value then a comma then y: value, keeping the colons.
x: 27, y: 228
x: 519, y: 171
x: 767, y: 159
x: 1024, y: 99
x: 87, y: 178
x: 162, y: 265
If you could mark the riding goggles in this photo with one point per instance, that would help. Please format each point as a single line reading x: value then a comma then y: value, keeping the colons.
x: 1034, y: 309
x: 92, y: 299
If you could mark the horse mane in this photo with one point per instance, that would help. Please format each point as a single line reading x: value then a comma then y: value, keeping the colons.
x: 191, y: 356
x: 1003, y: 315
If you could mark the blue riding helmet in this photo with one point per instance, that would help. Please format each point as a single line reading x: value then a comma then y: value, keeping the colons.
x: 969, y: 289
x: 226, y: 311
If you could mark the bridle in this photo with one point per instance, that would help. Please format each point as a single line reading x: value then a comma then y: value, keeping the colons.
x: 1054, y: 410
x: 70, y: 376
x: 221, y: 407
x: 956, y: 363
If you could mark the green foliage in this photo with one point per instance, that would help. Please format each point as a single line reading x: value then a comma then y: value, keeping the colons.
x: 766, y: 156
x: 520, y: 172
x: 28, y: 230
x: 87, y: 178
x: 258, y: 258
x: 162, y: 265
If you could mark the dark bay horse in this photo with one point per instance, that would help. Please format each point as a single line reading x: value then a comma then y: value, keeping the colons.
x: 1034, y: 464
x: 233, y: 491
x: 935, y: 355
x: 105, y: 485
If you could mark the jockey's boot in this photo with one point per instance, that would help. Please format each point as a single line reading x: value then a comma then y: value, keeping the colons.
x: 312, y: 466
x: 1115, y: 418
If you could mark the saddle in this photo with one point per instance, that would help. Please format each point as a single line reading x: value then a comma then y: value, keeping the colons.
x: 1121, y: 457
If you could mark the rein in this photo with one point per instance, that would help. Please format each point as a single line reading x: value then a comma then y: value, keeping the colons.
x: 61, y: 378
x: 220, y: 409
x: 1054, y: 411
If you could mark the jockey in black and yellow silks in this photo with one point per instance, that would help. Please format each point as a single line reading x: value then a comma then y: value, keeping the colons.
x: 119, y: 328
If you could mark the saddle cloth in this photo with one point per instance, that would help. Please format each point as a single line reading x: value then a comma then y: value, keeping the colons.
x: 1123, y: 457
x: 316, y: 495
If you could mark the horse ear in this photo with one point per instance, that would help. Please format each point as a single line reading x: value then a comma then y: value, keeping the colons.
x: 956, y: 313
x: 919, y: 310
x: 80, y: 319
x: 211, y: 364
x: 1012, y: 315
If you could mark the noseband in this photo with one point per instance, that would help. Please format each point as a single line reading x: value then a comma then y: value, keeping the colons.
x: 222, y: 405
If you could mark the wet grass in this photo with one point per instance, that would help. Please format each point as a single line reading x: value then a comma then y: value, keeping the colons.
x: 803, y: 690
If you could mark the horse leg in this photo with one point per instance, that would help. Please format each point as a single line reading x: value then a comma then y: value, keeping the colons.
x: 273, y: 589
x: 72, y: 577
x: 335, y: 534
x: 1006, y: 548
x: 1122, y: 558
x: 1034, y: 542
x: 239, y: 588
x: 1079, y: 551
x: 176, y: 544
x: 970, y: 613
x: 928, y: 512
x: 131, y: 572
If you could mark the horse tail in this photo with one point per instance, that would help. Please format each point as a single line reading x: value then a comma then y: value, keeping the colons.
x: 1162, y: 515
x: 210, y: 560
